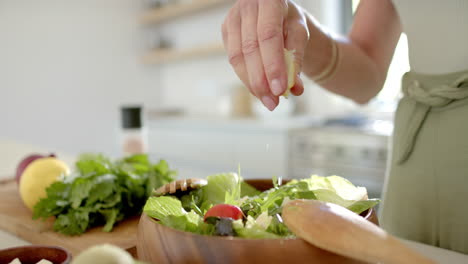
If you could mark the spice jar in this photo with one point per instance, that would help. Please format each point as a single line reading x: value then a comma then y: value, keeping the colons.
x: 133, y: 134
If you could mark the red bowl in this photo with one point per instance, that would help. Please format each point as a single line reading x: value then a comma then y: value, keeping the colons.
x: 34, y: 253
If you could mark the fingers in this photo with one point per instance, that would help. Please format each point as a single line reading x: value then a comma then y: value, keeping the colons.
x: 298, y: 87
x: 252, y: 56
x: 255, y: 34
x: 296, y: 39
x: 271, y: 42
x: 232, y: 39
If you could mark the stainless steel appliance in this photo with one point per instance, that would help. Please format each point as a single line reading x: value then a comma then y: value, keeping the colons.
x: 357, y: 154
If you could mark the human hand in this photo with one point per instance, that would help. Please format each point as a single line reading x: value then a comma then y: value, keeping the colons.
x: 255, y: 33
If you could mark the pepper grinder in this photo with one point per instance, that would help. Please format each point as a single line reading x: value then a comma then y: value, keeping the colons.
x: 133, y: 137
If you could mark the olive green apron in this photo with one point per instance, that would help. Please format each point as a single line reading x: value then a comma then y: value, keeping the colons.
x: 426, y: 192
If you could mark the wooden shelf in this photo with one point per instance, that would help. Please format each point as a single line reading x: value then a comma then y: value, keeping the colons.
x: 170, y: 11
x: 171, y: 55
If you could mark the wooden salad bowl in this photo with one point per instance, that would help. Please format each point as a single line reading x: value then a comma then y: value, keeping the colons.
x: 160, y: 244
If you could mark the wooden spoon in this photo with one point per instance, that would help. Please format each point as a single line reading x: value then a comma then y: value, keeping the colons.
x: 339, y: 230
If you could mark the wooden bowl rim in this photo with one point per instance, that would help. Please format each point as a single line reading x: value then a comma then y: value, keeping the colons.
x: 232, y: 238
x: 36, y: 247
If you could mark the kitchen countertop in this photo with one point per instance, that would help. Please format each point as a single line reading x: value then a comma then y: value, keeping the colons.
x: 13, y: 152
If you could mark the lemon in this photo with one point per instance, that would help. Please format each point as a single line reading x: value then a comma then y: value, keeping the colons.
x: 38, y: 176
x: 291, y: 70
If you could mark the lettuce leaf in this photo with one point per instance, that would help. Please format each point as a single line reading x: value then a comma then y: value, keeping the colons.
x: 221, y: 188
x: 189, y: 222
x: 163, y: 206
x: 248, y: 190
x: 255, y: 233
x: 169, y: 211
x: 338, y: 185
x: 271, y: 200
x: 254, y: 228
x: 361, y: 206
x: 332, y: 189
x: 338, y: 190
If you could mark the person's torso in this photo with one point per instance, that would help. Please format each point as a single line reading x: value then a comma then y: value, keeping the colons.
x: 437, y: 34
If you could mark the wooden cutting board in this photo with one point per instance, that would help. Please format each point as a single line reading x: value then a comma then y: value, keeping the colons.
x: 16, y: 218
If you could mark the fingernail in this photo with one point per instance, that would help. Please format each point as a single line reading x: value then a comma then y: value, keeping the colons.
x: 276, y: 88
x: 269, y: 103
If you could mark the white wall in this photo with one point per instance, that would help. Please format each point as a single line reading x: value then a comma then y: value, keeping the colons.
x: 65, y: 68
x: 67, y: 65
x: 197, y: 85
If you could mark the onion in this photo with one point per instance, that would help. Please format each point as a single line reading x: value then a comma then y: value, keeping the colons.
x: 26, y: 161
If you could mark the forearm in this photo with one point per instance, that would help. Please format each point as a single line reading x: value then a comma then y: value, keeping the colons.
x: 363, y: 56
x: 355, y: 76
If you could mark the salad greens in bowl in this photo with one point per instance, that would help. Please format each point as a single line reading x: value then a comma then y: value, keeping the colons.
x: 229, y: 206
x: 230, y: 220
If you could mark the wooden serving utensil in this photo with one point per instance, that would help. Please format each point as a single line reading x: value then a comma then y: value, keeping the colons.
x: 339, y: 230
x: 180, y: 185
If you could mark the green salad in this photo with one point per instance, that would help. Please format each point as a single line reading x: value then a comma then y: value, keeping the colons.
x: 228, y: 206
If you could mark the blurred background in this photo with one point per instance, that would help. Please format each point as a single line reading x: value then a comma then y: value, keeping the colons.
x: 68, y: 67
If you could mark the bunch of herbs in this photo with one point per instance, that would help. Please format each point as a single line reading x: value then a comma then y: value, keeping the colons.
x: 102, y: 192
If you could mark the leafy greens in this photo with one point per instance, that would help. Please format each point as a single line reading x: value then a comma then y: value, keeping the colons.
x: 262, y: 209
x: 101, y: 192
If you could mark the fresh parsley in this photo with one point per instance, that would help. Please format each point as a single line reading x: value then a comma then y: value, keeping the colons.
x: 102, y: 192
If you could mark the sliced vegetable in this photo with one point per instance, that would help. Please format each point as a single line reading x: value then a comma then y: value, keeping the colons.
x: 224, y: 210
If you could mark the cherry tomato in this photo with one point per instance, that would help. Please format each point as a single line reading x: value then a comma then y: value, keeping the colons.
x: 224, y: 210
